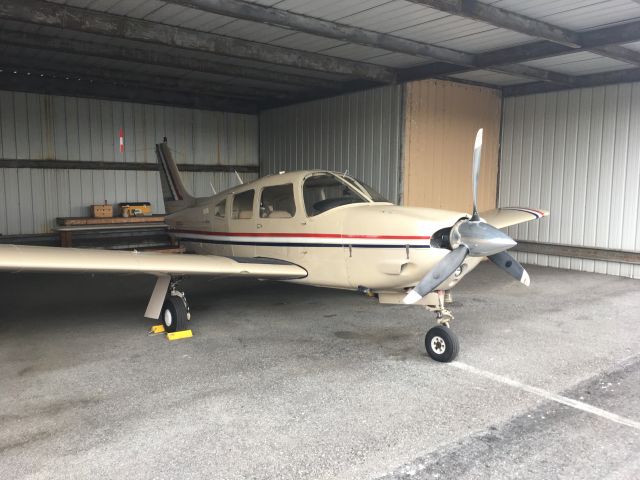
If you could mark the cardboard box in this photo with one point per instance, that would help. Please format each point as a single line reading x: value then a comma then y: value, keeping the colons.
x: 102, y: 211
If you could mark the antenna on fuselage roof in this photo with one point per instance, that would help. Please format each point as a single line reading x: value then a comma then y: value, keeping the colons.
x: 239, y: 177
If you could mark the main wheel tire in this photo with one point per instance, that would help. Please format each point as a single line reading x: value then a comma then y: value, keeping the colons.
x: 174, y: 314
x: 442, y: 344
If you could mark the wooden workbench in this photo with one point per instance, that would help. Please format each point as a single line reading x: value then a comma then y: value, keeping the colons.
x: 77, y: 221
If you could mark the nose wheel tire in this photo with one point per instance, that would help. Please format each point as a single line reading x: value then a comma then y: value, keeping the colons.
x: 174, y: 314
x: 442, y: 344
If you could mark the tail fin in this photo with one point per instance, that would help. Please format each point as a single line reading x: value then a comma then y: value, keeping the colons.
x: 174, y: 193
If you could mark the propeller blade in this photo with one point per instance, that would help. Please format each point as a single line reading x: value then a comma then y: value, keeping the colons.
x: 477, y: 153
x: 511, y: 266
x: 437, y: 275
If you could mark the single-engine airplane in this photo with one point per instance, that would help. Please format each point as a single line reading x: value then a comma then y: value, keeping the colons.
x: 314, y: 227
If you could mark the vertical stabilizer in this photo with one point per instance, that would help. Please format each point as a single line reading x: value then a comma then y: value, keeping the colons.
x: 174, y: 193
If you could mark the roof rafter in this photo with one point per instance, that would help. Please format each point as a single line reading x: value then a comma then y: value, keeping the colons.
x: 325, y: 28
x: 133, y: 93
x: 272, y: 79
x: 601, y: 41
x: 582, y: 81
x: 165, y: 82
x: 347, y: 33
x: 89, y: 21
x: 596, y: 39
x: 500, y: 17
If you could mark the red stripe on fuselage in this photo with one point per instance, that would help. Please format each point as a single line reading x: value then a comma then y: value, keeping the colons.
x: 301, y: 235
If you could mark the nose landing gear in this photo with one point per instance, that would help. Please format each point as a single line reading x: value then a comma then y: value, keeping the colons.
x: 441, y: 343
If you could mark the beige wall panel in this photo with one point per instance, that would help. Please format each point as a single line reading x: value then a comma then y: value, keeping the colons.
x: 441, y: 122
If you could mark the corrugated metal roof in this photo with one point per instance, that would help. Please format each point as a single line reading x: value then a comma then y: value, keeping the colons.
x: 400, y: 18
x: 574, y: 14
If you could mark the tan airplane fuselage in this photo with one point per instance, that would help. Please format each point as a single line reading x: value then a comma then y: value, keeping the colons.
x: 376, y: 245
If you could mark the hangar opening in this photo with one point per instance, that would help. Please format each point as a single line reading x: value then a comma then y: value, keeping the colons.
x: 189, y: 141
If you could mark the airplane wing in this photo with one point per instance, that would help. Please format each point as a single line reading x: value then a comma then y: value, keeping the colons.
x: 18, y: 258
x: 507, y: 216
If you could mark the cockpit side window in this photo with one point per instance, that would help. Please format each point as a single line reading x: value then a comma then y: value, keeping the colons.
x: 278, y: 202
x: 325, y: 191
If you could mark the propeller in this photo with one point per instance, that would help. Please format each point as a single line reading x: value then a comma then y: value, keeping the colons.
x: 471, y: 237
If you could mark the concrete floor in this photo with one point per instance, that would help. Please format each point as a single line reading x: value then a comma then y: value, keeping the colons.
x: 291, y: 382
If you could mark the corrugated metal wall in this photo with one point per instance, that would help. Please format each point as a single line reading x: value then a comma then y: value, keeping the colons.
x: 360, y: 132
x: 65, y: 128
x: 576, y: 153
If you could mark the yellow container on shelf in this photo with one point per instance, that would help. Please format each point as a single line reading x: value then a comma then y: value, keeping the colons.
x: 135, y: 209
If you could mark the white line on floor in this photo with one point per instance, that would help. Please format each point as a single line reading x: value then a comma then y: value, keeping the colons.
x: 585, y: 407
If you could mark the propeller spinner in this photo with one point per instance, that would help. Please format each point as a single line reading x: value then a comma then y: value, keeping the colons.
x: 471, y: 237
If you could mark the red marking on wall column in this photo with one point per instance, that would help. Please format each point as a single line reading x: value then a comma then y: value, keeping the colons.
x: 121, y: 141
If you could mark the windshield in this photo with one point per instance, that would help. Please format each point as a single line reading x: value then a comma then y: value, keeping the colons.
x: 325, y: 191
x: 374, y: 195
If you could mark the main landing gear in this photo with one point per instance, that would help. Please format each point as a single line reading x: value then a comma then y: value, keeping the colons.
x: 441, y: 343
x: 169, y: 305
x: 175, y: 309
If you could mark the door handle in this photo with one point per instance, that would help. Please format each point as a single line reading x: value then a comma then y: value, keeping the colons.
x: 259, y: 225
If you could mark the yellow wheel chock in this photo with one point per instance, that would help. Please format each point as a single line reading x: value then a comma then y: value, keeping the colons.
x: 178, y: 335
x: 156, y: 329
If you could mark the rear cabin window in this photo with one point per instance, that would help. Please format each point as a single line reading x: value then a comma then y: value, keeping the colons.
x: 243, y: 205
x: 277, y: 202
x: 220, y: 209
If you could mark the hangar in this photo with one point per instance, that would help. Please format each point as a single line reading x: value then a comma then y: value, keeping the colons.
x: 288, y: 381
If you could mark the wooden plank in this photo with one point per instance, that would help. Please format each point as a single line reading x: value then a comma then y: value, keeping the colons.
x: 590, y: 253
x: 441, y: 122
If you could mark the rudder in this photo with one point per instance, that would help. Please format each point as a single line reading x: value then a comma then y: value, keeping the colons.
x: 174, y: 193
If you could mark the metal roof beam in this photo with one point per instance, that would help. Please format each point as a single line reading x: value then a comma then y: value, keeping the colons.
x: 164, y: 82
x: 347, y: 33
x: 324, y: 28
x: 131, y: 93
x: 582, y: 81
x: 540, y: 49
x: 602, y: 41
x: 89, y: 21
x: 532, y: 72
x: 500, y: 17
x: 274, y: 80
